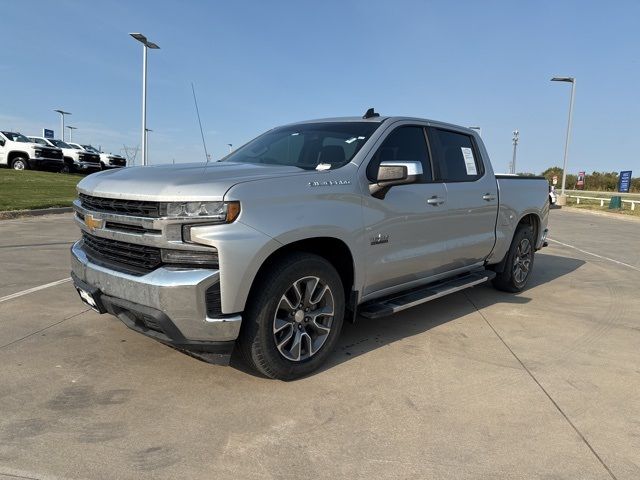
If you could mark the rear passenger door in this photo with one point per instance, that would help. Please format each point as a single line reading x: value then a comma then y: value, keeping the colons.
x: 472, y: 195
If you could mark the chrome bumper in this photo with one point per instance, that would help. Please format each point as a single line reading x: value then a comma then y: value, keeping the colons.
x: 178, y: 293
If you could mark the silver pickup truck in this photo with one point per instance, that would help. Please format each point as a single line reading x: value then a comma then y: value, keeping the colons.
x: 272, y: 248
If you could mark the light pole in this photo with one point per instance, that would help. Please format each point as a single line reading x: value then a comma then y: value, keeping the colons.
x: 145, y: 45
x: 71, y: 129
x: 230, y: 145
x: 562, y: 200
x: 62, y: 114
x: 146, y: 139
x: 516, y: 136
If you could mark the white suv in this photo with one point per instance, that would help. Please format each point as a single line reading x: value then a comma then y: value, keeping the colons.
x: 75, y: 160
x: 20, y: 153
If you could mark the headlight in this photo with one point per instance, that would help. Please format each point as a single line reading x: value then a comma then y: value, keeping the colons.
x: 217, y: 212
x: 186, y: 257
x: 37, y: 152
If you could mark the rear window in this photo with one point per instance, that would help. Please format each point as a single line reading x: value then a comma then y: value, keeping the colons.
x: 454, y: 156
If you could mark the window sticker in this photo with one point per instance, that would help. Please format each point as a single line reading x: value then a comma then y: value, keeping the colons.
x: 469, y: 161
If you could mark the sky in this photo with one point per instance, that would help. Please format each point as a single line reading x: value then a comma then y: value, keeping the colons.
x: 257, y: 64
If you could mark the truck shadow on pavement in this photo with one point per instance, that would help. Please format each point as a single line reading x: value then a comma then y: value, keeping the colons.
x: 367, y: 335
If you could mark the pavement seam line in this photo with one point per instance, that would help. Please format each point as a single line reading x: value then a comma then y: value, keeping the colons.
x: 45, y: 328
x: 555, y: 404
x: 34, y: 289
x: 594, y: 254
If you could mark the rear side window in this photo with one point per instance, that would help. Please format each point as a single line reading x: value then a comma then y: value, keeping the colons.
x: 403, y: 144
x: 454, y: 156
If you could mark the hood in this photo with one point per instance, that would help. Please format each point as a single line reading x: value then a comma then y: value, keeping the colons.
x: 192, y: 181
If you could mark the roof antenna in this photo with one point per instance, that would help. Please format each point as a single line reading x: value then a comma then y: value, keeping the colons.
x: 370, y: 114
x: 206, y: 155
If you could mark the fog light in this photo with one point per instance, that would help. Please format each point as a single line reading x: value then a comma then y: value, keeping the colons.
x: 186, y: 257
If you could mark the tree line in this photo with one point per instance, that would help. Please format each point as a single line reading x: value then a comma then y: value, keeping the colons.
x: 596, y: 181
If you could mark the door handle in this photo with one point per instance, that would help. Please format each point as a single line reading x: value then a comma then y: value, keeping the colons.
x: 435, y: 201
x: 488, y: 197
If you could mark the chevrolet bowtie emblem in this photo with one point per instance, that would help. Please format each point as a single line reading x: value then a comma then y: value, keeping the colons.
x: 92, y: 222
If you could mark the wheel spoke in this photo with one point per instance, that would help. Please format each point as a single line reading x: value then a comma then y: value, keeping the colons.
x: 287, y: 304
x: 285, y: 339
x: 296, y: 347
x: 280, y: 324
x: 321, y: 293
x: 310, y: 285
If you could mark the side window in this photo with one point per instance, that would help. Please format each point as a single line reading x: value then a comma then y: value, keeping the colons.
x: 454, y: 156
x: 404, y: 143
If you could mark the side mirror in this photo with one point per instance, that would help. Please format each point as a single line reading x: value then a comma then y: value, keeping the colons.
x: 394, y: 173
x: 1, y: 142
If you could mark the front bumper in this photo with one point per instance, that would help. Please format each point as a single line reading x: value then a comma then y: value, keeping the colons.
x: 46, y: 162
x: 86, y: 166
x: 173, y: 298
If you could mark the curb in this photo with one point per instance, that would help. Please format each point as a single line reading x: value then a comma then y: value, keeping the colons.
x: 618, y: 216
x: 34, y: 213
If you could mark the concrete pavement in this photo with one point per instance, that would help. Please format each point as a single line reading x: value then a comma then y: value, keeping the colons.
x: 481, y: 384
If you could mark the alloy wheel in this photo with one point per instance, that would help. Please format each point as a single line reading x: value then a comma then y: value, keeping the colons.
x: 522, y: 261
x: 303, y: 318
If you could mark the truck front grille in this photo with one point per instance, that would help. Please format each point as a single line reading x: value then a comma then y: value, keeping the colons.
x: 123, y: 207
x: 120, y: 162
x: 88, y: 157
x: 51, y: 153
x: 121, y: 256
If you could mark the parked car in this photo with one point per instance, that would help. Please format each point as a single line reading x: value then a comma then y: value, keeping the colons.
x: 302, y: 228
x: 75, y: 159
x: 20, y: 153
x: 107, y: 160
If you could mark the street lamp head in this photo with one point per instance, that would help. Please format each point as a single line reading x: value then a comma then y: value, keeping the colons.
x: 62, y: 112
x: 563, y: 79
x: 139, y: 37
x: 71, y: 128
x: 142, y: 39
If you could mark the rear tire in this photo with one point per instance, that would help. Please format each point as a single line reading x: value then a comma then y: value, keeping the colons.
x: 519, y: 262
x: 293, y: 317
x: 20, y: 163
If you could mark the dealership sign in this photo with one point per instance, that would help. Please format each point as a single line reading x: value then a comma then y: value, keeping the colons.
x: 624, y: 182
x: 580, y: 182
x: 46, y: 133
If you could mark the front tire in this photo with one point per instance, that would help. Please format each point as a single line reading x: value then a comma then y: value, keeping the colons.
x: 519, y: 262
x: 20, y: 163
x: 294, y: 317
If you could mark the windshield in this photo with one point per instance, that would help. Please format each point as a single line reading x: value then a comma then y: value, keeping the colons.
x: 76, y: 146
x: 39, y: 141
x: 307, y: 145
x: 60, y: 144
x: 16, y: 137
x: 91, y: 149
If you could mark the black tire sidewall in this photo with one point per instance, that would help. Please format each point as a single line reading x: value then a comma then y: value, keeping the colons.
x: 259, y: 334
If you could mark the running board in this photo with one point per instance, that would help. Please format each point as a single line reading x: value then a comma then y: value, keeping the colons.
x: 401, y: 301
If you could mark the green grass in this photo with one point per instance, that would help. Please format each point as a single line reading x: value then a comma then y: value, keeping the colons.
x: 28, y: 190
x: 595, y: 205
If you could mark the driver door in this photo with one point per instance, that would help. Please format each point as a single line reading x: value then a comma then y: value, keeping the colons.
x: 406, y: 238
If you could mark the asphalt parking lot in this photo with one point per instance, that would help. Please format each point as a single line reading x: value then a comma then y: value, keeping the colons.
x: 481, y: 384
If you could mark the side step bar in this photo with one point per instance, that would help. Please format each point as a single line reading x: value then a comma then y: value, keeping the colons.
x: 397, y: 302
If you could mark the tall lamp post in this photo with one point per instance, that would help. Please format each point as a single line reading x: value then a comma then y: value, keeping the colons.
x: 230, y: 145
x: 516, y: 137
x: 146, y: 145
x: 146, y: 44
x: 563, y: 199
x: 62, y: 114
x: 71, y: 129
